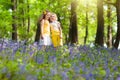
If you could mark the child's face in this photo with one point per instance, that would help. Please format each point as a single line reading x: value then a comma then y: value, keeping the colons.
x: 52, y: 18
x: 47, y: 16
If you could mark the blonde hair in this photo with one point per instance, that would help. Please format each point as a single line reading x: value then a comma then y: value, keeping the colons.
x: 54, y: 15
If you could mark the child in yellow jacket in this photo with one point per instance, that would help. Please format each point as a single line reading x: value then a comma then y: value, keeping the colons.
x: 56, y: 31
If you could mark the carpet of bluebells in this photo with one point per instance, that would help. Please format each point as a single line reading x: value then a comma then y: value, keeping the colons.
x: 21, y: 61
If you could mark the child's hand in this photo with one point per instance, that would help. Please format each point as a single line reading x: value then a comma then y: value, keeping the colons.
x: 60, y: 37
x: 42, y: 37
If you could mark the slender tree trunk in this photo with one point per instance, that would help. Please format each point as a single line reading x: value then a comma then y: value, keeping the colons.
x: 28, y: 10
x: 109, y: 30
x: 86, y: 32
x: 73, y: 32
x: 23, y: 18
x: 116, y: 44
x: 14, y: 18
x: 22, y: 11
x: 100, y: 24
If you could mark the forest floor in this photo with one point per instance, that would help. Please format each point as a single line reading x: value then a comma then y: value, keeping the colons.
x: 20, y: 61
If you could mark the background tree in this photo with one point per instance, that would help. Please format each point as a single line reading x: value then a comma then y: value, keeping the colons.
x: 73, y: 32
x: 38, y: 31
x: 109, y: 29
x: 99, y: 40
x: 28, y: 11
x: 86, y: 32
x: 116, y: 44
x: 14, y: 18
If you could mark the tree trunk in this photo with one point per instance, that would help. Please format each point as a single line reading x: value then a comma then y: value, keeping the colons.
x: 38, y: 31
x: 23, y: 17
x: 86, y: 32
x: 73, y: 31
x: 109, y: 30
x: 28, y: 10
x: 100, y: 24
x: 23, y: 13
x: 116, y: 44
x: 14, y: 18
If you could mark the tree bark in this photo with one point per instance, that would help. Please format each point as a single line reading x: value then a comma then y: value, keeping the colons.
x: 28, y: 10
x: 14, y: 18
x: 73, y: 31
x: 23, y: 17
x: 100, y: 24
x: 109, y: 30
x: 116, y: 44
x: 86, y: 32
x: 23, y: 13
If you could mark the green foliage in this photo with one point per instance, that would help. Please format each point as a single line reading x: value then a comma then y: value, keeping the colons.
x: 5, y: 24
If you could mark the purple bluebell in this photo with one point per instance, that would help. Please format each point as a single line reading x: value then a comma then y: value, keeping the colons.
x: 31, y: 77
x: 39, y: 59
x: 22, y: 68
x: 52, y: 58
x: 8, y: 75
x: 65, y: 76
x: 118, y: 78
x: 115, y: 68
x: 53, y: 71
x: 4, y: 70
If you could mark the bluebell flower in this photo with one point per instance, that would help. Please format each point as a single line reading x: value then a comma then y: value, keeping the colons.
x: 77, y: 69
x: 89, y: 76
x: 53, y: 71
x: 53, y: 58
x: 35, y: 44
x: 23, y: 49
x: 8, y: 75
x: 71, y: 50
x: 39, y: 47
x: 0, y: 45
x: 40, y: 59
x: 81, y: 64
x: 31, y: 53
x: 118, y: 78
x: 4, y: 70
x: 115, y: 68
x: 31, y: 77
x: 22, y: 68
x: 65, y: 76
x: 107, y: 72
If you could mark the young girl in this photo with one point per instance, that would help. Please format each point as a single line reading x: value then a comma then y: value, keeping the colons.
x: 45, y: 29
x: 56, y: 31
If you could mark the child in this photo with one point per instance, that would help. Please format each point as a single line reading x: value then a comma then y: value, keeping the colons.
x: 45, y: 29
x: 56, y: 31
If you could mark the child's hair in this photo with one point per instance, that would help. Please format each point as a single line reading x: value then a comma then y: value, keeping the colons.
x: 43, y: 15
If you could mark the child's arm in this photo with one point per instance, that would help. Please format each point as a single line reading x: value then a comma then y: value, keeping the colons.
x: 60, y: 30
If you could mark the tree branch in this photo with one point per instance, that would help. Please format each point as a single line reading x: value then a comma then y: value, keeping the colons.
x: 109, y: 2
